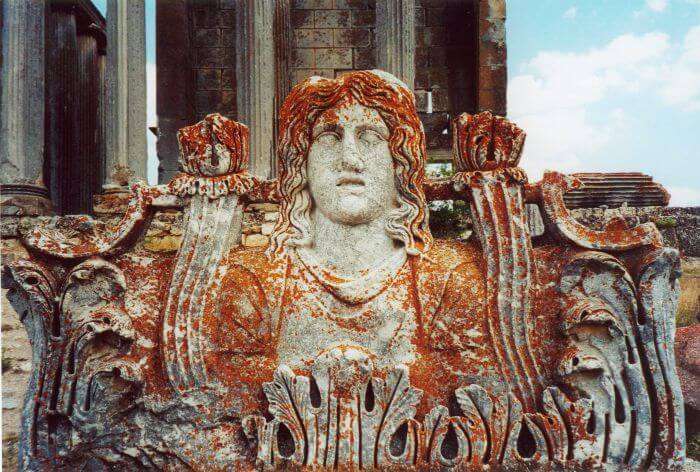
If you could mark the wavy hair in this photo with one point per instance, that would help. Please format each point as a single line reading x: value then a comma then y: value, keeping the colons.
x: 395, y: 103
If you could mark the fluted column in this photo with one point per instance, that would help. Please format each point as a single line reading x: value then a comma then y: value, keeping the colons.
x: 255, y: 73
x: 22, y: 108
x: 175, y: 90
x: 492, y: 72
x: 396, y: 38
x: 126, y: 87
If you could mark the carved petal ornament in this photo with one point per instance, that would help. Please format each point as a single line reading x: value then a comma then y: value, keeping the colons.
x: 356, y: 340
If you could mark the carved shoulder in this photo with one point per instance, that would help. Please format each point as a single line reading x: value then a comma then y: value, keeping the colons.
x: 454, y: 283
x: 239, y: 317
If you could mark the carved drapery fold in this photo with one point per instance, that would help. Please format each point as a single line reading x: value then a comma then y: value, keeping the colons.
x: 486, y: 151
x: 214, y: 156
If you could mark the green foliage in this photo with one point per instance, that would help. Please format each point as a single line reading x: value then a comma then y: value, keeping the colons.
x: 665, y: 222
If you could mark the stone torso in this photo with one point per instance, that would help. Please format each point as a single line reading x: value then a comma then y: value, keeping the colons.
x: 290, y: 311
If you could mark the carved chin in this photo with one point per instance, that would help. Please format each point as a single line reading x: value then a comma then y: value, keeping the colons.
x: 353, y: 210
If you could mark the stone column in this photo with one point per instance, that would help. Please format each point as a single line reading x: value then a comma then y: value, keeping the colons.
x: 396, y: 38
x: 22, y: 109
x: 255, y: 73
x: 492, y: 69
x: 126, y: 87
x: 283, y: 76
x: 175, y: 97
x: 61, y: 113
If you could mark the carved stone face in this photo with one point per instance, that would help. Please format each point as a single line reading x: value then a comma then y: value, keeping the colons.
x: 350, y: 170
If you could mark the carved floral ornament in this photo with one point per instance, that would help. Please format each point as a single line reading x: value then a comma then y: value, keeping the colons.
x: 357, y: 341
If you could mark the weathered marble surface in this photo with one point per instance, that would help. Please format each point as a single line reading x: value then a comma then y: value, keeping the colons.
x: 355, y: 339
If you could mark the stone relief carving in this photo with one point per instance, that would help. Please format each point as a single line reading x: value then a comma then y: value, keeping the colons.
x: 356, y: 340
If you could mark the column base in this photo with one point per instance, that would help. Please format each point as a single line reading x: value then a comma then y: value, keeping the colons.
x: 20, y: 199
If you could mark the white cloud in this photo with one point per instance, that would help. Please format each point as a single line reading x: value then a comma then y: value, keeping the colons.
x: 657, y: 5
x: 684, y: 196
x: 550, y: 99
x: 681, y: 78
x: 151, y: 120
x: 570, y: 14
x: 558, y: 97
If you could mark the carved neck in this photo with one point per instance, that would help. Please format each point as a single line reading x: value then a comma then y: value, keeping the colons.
x: 352, y: 250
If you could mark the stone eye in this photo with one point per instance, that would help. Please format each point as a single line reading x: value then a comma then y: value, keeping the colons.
x: 328, y: 138
x: 370, y: 137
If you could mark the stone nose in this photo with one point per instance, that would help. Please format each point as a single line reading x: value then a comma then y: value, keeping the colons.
x: 350, y: 158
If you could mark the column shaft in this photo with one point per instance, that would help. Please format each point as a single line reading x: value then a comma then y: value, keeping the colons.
x: 22, y: 105
x: 396, y: 38
x: 126, y: 86
x: 175, y: 97
x: 255, y: 72
x: 492, y: 72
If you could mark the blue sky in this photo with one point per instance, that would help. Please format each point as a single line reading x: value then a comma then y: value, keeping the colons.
x: 608, y: 86
x: 598, y: 85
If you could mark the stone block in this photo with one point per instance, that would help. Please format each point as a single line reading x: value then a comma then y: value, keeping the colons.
x: 364, y: 58
x: 206, y: 37
x: 255, y: 240
x: 298, y: 75
x: 421, y: 100
x: 228, y: 79
x: 228, y: 38
x: 266, y: 228
x: 215, y: 57
x: 352, y: 37
x: 332, y: 18
x: 423, y: 57
x: 492, y: 77
x: 312, y: 4
x: 363, y: 18
x: 207, y: 101
x: 311, y: 38
x: 210, y: 101
x: 208, y: 79
x: 439, y: 77
x: 205, y: 17
x: 303, y: 58
x: 227, y: 18
x: 302, y: 18
x: 421, y: 79
x: 355, y: 4
x: 334, y: 58
x: 441, y: 100
x: 420, y: 16
x: 492, y: 100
